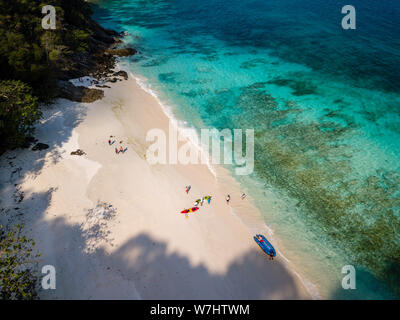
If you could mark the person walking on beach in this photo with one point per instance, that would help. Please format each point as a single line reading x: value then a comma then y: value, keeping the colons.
x: 228, y: 198
x: 202, y: 201
x: 188, y: 189
x: 243, y: 196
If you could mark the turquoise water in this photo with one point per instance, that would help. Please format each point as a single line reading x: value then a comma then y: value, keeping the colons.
x: 325, y: 107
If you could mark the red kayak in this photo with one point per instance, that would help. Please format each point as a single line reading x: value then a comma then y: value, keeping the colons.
x: 190, y: 210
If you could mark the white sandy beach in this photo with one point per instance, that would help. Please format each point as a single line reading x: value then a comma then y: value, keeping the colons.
x: 145, y: 249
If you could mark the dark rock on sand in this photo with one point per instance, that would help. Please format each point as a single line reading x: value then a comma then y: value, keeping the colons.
x: 78, y: 152
x: 40, y: 146
x: 98, y: 64
x: 79, y: 94
x: 121, y: 74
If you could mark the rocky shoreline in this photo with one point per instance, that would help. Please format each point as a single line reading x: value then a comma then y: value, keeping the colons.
x: 99, y: 63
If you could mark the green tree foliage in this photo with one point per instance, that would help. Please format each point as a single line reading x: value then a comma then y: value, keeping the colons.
x: 17, y: 265
x: 28, y: 52
x: 19, y: 110
x: 31, y: 59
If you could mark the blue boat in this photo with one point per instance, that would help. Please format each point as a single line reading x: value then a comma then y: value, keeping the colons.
x: 265, y: 245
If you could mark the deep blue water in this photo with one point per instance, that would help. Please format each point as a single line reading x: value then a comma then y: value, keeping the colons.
x: 325, y: 106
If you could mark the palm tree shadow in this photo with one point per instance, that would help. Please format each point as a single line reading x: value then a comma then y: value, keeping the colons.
x: 54, y: 129
x: 145, y: 268
x: 245, y: 278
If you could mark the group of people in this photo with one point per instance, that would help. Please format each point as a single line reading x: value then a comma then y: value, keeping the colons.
x: 201, y: 201
x: 120, y: 150
x: 117, y: 151
x: 198, y: 201
x: 228, y: 197
x: 208, y: 198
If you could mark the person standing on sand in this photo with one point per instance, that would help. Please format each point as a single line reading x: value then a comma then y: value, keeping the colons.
x: 271, y: 256
x: 228, y: 198
x: 202, y: 201
x: 188, y: 189
x: 243, y: 195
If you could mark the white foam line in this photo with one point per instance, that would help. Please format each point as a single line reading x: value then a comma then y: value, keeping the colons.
x: 179, y: 125
x: 310, y: 287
